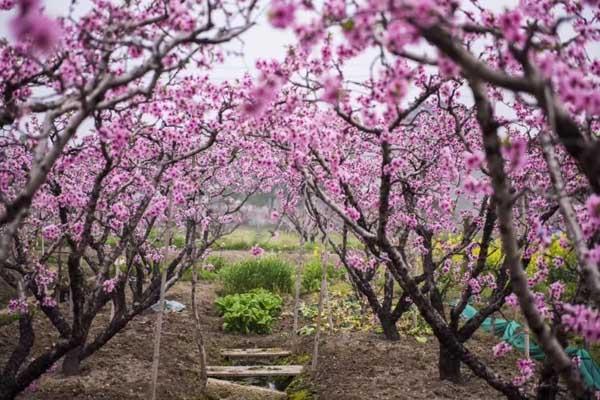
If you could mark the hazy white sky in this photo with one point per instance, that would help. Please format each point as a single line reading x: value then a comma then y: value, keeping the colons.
x: 262, y: 41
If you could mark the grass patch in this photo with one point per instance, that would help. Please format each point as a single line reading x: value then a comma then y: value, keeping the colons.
x: 311, y: 275
x: 268, y: 273
x: 300, y: 388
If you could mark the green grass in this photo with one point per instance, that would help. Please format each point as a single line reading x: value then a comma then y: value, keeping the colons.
x: 311, y: 275
x: 268, y: 273
x: 246, y: 238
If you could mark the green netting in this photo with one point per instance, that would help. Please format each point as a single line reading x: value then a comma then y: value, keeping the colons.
x: 588, y: 367
x: 515, y: 335
x: 512, y: 332
x: 499, y: 324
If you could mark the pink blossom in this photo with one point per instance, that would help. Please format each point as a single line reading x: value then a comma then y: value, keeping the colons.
x: 516, y: 153
x: 448, y: 68
x: 282, y: 13
x: 474, y: 285
x: 27, y: 6
x: 593, y: 255
x: 474, y: 160
x: 17, y: 306
x: 526, y: 370
x: 352, y: 213
x: 556, y: 290
x: 49, y: 302
x: 583, y: 321
x: 510, y: 24
x: 109, y: 285
x: 51, y: 232
x: 475, y: 186
x: 257, y: 251
x: 332, y: 90
x: 31, y: 24
x: 358, y: 262
x: 400, y: 33
x: 593, y: 208
x: 501, y: 349
x: 7, y: 4
x: 512, y: 300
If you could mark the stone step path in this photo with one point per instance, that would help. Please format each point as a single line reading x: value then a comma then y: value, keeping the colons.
x: 254, y: 354
x: 254, y: 371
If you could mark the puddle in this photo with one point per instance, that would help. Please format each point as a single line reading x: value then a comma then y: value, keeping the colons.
x: 275, y: 383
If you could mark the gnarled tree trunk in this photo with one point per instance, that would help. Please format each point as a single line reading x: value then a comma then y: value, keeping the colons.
x: 449, y: 365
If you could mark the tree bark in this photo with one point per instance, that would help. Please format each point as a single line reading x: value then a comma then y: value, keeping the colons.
x: 390, y: 330
x: 72, y: 362
x: 548, y: 387
x: 297, y: 287
x: 315, y: 360
x: 199, y: 336
x: 449, y: 365
x: 157, y: 335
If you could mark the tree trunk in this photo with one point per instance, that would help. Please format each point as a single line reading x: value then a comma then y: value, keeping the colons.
x: 157, y: 335
x: 199, y: 336
x: 297, y: 287
x: 72, y: 363
x: 548, y: 387
x: 390, y: 331
x: 315, y: 359
x: 8, y: 389
x: 449, y: 365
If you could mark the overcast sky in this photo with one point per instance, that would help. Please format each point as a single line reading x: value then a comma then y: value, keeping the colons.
x: 262, y: 41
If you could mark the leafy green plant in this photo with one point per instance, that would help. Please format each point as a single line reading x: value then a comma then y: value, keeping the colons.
x: 252, y: 312
x: 345, y: 311
x: 311, y: 275
x: 413, y: 324
x: 268, y: 273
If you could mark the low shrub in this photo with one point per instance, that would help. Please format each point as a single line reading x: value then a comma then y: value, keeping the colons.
x: 268, y: 273
x: 252, y: 312
x: 311, y: 275
x: 178, y: 241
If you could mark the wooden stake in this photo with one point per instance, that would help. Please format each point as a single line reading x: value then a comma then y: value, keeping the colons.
x: 161, y: 303
x: 112, y: 303
x: 527, y: 341
x: 158, y: 332
x: 328, y: 303
x: 199, y: 336
x: 297, y: 288
x: 320, y: 310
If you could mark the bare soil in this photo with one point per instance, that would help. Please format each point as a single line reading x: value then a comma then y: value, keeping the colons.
x: 352, y: 366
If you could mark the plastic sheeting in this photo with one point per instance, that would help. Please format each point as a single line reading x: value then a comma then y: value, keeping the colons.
x: 170, y: 306
x: 512, y: 332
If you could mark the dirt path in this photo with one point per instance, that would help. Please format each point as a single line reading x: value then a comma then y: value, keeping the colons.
x: 352, y: 366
